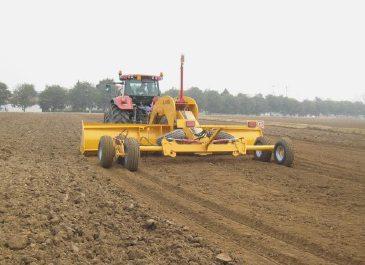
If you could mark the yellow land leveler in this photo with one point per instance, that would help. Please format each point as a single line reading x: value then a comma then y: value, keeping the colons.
x: 172, y: 129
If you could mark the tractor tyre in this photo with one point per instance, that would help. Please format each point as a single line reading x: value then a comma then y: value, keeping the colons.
x: 106, y: 151
x: 221, y: 135
x: 116, y: 115
x: 284, y: 152
x: 163, y: 120
x: 264, y: 156
x: 132, y: 154
x: 177, y: 134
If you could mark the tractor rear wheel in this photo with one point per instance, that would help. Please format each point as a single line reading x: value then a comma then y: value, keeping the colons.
x: 106, y: 151
x: 176, y: 134
x: 264, y: 156
x: 132, y: 154
x: 284, y: 152
x: 116, y: 115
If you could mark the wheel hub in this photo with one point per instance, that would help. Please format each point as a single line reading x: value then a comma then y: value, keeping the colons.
x: 280, y: 153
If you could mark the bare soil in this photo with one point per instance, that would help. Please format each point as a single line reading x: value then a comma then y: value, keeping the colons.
x: 58, y: 206
x: 335, y: 122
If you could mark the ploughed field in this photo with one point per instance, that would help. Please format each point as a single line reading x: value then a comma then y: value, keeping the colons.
x: 58, y: 206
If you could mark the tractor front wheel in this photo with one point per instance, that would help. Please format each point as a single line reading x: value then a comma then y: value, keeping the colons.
x: 284, y: 152
x: 106, y: 151
x: 264, y: 156
x: 132, y: 154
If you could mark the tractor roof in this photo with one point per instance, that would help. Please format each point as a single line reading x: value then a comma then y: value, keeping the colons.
x: 140, y: 77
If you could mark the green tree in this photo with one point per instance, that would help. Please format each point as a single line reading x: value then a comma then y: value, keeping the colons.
x: 53, y: 98
x: 228, y: 102
x: 213, y: 101
x: 259, y: 104
x: 242, y: 103
x: 292, y: 106
x: 104, y: 93
x: 308, y: 107
x: 24, y: 96
x: 198, y: 95
x: 4, y: 94
x: 172, y: 92
x: 82, y: 97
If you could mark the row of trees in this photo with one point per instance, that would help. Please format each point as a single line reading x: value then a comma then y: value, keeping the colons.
x: 84, y: 96
x: 212, y: 101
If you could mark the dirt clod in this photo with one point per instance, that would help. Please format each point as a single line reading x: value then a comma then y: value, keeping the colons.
x: 75, y: 248
x: 136, y: 253
x: 224, y: 257
x: 151, y: 224
x: 17, y: 242
x: 130, y: 206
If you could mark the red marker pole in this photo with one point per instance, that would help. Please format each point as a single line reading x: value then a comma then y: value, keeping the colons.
x: 181, y: 94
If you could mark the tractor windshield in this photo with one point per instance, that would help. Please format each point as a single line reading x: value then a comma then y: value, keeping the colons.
x: 141, y: 88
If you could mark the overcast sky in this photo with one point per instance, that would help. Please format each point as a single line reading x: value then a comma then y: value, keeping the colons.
x: 314, y: 48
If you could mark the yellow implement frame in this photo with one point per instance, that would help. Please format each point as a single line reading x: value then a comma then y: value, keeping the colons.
x: 173, y: 128
x: 147, y: 136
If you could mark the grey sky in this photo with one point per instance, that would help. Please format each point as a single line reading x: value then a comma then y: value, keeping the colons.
x: 315, y: 48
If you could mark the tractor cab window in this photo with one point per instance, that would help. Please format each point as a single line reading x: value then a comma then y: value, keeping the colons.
x: 141, y: 88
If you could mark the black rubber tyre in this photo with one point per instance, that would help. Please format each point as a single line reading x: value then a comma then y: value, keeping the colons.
x: 163, y: 120
x: 264, y: 156
x: 106, y: 151
x: 120, y: 160
x: 116, y: 115
x: 284, y: 152
x: 221, y: 135
x: 132, y: 154
x: 177, y: 134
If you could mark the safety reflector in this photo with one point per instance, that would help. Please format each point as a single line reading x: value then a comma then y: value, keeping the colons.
x: 190, y: 123
x: 252, y: 124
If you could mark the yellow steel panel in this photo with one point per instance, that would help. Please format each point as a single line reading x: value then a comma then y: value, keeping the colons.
x: 164, y: 107
x: 180, y: 123
x: 92, y: 132
x: 148, y: 134
x: 150, y: 148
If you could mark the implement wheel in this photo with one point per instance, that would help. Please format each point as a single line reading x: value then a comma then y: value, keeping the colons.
x: 284, y: 152
x: 132, y: 154
x: 106, y: 151
x: 264, y: 156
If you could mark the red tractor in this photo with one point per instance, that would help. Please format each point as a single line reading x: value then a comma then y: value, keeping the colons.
x: 137, y: 95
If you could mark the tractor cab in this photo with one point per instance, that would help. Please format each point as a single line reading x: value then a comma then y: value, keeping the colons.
x: 135, y: 95
x: 141, y: 85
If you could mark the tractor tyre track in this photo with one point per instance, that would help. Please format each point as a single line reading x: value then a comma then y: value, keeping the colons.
x: 204, y: 217
x: 204, y: 212
x: 253, y: 223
